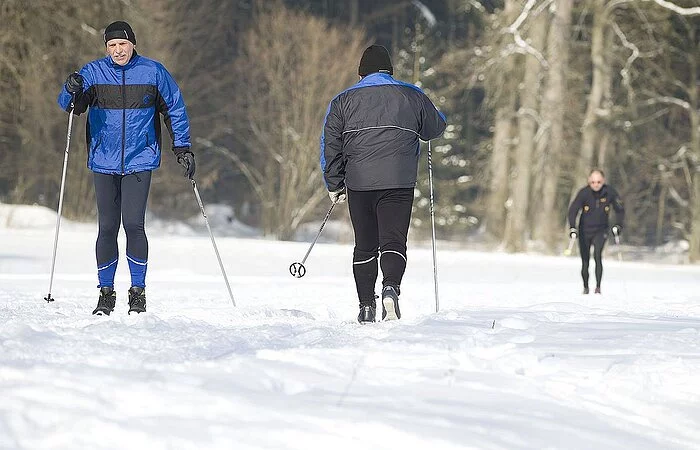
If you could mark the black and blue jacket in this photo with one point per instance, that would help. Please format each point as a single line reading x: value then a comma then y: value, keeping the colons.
x: 123, y: 130
x: 371, y: 134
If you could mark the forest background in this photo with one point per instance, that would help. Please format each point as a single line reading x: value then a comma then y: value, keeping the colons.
x: 536, y: 92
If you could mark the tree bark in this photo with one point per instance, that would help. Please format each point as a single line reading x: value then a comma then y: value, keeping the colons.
x: 502, y: 138
x: 517, y: 229
x: 553, y: 112
x: 589, y: 129
x: 694, y: 114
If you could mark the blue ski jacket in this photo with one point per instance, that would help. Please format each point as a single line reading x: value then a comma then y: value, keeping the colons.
x: 123, y: 128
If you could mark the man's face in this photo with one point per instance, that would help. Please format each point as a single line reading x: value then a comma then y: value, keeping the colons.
x: 120, y: 50
x: 596, y: 181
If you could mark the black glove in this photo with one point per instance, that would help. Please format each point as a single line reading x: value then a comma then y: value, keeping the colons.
x: 573, y: 233
x: 186, y: 160
x: 616, y: 229
x: 74, y: 83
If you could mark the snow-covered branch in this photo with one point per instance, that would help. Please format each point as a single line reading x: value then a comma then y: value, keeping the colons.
x: 514, y: 30
x: 694, y: 11
x: 625, y: 71
x: 665, y: 99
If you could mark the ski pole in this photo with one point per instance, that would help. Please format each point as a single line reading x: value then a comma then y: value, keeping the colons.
x: 213, y: 242
x: 432, y: 221
x: 297, y: 269
x: 570, y: 248
x: 617, y: 244
x: 48, y: 297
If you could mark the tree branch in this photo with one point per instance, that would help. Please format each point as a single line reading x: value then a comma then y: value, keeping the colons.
x: 254, y: 178
x: 520, y: 42
x: 694, y: 11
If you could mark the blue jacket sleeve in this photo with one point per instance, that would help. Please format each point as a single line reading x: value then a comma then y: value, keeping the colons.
x: 332, y: 161
x: 172, y: 106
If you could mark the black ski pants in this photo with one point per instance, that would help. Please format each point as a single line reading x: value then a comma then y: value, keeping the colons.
x: 597, y: 239
x: 380, y: 220
x: 121, y: 198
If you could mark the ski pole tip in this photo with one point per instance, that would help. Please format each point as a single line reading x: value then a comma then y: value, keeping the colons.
x: 297, y: 270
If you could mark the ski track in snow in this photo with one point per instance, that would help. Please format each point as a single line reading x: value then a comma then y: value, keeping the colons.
x: 517, y: 358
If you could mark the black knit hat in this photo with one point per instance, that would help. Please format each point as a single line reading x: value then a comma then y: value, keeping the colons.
x: 375, y: 59
x: 119, y: 30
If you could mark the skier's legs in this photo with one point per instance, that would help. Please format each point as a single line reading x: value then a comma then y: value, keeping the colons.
x: 363, y: 215
x: 584, y: 244
x: 135, y: 189
x: 599, y: 240
x: 108, y: 197
x: 394, y: 217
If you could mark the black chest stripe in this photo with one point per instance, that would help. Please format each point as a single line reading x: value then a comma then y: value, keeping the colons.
x: 136, y: 96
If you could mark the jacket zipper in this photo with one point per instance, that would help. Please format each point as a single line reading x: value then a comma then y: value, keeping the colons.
x: 123, y: 116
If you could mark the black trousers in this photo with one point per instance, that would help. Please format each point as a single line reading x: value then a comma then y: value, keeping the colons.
x: 380, y: 220
x: 121, y: 198
x: 597, y: 239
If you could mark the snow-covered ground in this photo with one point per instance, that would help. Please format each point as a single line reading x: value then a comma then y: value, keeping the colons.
x: 516, y: 358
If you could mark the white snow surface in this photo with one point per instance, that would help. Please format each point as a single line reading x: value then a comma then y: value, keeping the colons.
x: 516, y: 358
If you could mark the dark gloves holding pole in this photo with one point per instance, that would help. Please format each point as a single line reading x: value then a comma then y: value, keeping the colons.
x: 186, y: 159
x: 74, y: 83
x: 616, y: 229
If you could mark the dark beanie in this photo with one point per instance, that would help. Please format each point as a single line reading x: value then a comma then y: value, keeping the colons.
x: 119, y: 30
x: 375, y: 59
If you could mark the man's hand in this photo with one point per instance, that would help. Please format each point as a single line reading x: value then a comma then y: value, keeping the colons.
x: 186, y: 160
x: 616, y: 229
x: 338, y: 196
x: 74, y: 83
x: 573, y: 233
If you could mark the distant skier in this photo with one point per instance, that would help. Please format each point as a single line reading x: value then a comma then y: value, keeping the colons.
x: 595, y: 201
x: 125, y: 93
x: 369, y: 151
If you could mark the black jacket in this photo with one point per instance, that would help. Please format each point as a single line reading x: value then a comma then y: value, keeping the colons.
x: 371, y: 131
x: 595, y: 207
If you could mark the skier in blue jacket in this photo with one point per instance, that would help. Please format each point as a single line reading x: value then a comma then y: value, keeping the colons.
x: 125, y: 93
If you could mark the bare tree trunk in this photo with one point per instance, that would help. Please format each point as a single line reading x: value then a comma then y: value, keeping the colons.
x: 528, y: 114
x: 661, y: 211
x: 498, y: 196
x: 694, y: 114
x: 553, y: 112
x: 502, y: 138
x: 354, y: 12
x: 595, y: 97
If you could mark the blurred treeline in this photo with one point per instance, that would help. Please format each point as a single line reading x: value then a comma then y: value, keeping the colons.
x: 537, y: 93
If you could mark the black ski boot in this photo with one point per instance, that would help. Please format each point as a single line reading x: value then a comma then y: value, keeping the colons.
x: 597, y: 290
x: 106, y: 302
x: 390, y: 304
x: 368, y: 312
x: 137, y: 300
x: 585, y: 290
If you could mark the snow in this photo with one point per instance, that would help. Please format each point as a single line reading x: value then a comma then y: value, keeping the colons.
x: 516, y: 358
